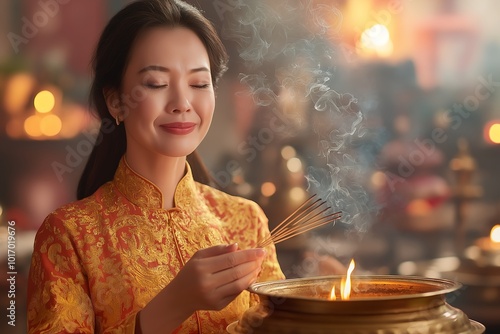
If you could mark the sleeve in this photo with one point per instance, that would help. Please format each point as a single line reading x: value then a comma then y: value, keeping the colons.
x: 58, y: 290
x: 58, y: 296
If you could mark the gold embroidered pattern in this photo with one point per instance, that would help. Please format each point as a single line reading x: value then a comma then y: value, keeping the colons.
x: 99, y: 261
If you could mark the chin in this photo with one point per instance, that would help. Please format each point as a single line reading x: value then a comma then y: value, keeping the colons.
x: 178, y: 153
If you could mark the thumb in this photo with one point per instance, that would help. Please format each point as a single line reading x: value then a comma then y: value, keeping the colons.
x: 216, y: 250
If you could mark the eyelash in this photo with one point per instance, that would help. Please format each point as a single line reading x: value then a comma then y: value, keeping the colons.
x: 151, y: 86
x: 201, y: 86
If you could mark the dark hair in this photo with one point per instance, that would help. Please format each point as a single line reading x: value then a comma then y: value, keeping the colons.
x: 109, y: 63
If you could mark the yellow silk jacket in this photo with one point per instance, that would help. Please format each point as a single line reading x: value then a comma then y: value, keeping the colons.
x: 97, y: 262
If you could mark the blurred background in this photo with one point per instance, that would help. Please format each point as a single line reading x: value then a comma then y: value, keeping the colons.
x: 389, y: 109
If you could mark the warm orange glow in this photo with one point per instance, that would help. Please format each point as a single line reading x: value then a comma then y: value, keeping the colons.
x: 376, y: 40
x: 32, y: 126
x: 268, y: 189
x: 332, y: 294
x: 44, y: 101
x: 494, y: 133
x: 495, y: 234
x: 357, y: 13
x: 17, y: 92
x: 345, y: 284
x: 418, y: 207
x: 50, y: 125
x: 491, y: 132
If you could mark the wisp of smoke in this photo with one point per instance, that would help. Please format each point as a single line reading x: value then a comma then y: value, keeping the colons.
x: 288, y: 46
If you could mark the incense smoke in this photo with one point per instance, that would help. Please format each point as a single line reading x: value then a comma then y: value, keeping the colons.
x: 290, y: 55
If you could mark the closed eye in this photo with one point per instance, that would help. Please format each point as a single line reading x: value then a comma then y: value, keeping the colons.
x: 201, y: 86
x: 153, y: 86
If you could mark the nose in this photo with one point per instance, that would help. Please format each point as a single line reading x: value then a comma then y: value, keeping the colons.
x: 178, y: 100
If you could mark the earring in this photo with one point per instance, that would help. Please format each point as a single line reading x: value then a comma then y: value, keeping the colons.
x: 117, y: 119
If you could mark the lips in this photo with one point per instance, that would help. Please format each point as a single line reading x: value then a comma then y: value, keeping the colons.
x: 179, y: 128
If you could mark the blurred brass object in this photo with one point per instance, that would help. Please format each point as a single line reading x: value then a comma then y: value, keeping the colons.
x: 379, y: 304
x: 464, y: 168
x: 480, y: 297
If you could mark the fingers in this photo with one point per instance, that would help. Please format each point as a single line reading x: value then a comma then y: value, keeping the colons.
x: 237, y: 272
x: 218, y: 274
x: 216, y: 250
x: 235, y: 287
x: 225, y: 293
x: 233, y: 259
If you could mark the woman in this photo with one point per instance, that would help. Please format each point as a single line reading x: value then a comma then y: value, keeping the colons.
x: 147, y: 248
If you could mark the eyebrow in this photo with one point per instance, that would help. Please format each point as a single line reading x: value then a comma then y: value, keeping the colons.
x: 166, y: 70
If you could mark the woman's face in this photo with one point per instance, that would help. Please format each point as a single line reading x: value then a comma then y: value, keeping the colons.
x: 167, y: 96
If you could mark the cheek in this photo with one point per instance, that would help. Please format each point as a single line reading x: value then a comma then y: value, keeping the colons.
x: 147, y: 109
x: 204, y: 104
x: 208, y: 116
x: 210, y: 110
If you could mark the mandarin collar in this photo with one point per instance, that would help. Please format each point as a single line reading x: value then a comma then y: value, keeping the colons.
x: 145, y: 194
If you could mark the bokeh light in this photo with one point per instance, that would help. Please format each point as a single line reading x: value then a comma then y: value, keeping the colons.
x: 32, y: 126
x: 297, y: 194
x: 17, y: 92
x: 44, y: 101
x: 294, y: 165
x: 378, y: 180
x: 376, y: 39
x: 494, y: 133
x: 50, y: 125
x: 495, y: 233
x: 288, y: 152
x: 268, y: 189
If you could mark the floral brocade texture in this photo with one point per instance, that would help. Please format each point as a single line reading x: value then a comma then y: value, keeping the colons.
x: 97, y: 262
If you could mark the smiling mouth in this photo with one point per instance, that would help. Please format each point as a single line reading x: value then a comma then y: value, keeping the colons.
x: 178, y: 128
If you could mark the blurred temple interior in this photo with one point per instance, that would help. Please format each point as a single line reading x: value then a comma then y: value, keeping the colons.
x: 388, y: 109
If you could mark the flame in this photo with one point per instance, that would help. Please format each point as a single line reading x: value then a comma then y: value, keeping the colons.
x: 332, y: 294
x: 495, y: 233
x: 345, y: 284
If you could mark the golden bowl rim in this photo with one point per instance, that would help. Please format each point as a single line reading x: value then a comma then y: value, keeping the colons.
x: 447, y: 286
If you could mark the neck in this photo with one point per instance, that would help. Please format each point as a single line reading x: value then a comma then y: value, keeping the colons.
x: 164, y: 172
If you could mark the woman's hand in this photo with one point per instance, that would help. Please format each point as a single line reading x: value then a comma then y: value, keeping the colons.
x: 214, y: 276
x: 210, y: 280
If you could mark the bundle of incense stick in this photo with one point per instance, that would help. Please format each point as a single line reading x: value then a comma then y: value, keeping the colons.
x: 310, y: 215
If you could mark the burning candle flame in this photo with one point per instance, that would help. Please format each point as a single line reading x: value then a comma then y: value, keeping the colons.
x: 345, y: 284
x: 495, y: 234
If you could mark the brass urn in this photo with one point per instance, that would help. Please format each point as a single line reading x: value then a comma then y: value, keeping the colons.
x: 382, y: 304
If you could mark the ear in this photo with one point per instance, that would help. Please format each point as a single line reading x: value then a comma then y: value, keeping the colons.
x: 112, y: 98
